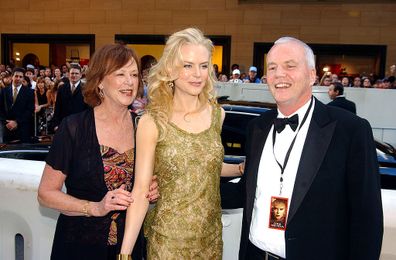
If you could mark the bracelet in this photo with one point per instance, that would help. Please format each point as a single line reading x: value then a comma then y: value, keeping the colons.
x: 124, y: 257
x: 85, y: 209
x: 240, y: 168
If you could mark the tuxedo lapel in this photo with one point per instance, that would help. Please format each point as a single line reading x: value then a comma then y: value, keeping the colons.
x: 9, y: 97
x: 318, y: 138
x: 20, y: 95
x: 258, y: 136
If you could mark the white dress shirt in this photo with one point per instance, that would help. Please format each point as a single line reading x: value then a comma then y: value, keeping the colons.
x: 268, y: 181
x: 18, y: 88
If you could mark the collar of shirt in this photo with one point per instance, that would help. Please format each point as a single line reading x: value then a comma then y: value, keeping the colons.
x: 18, y: 87
x: 301, y: 112
x: 76, y: 84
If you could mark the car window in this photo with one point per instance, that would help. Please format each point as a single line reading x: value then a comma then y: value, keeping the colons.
x: 233, y: 134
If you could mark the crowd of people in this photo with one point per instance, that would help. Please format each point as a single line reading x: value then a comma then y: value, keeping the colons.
x: 34, y: 100
x: 28, y: 100
x: 44, y: 83
x: 371, y: 81
x: 359, y: 81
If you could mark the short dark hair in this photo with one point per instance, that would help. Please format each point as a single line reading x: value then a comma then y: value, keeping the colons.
x: 75, y: 66
x: 18, y: 69
x: 338, y: 87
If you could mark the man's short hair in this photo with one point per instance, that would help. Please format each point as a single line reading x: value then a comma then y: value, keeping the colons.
x: 338, y: 87
x: 18, y: 69
x: 75, y: 66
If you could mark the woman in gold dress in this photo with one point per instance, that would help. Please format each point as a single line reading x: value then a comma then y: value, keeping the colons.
x: 178, y: 139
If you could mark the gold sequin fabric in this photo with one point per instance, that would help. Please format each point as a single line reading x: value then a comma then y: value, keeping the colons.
x: 186, y: 221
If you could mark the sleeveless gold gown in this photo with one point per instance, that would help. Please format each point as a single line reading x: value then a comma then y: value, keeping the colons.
x: 186, y: 221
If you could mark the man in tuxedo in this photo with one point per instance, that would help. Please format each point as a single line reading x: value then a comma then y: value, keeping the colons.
x: 69, y: 99
x: 319, y: 162
x: 336, y: 94
x: 16, y: 109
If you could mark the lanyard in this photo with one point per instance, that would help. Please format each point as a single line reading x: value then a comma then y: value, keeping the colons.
x: 282, y: 167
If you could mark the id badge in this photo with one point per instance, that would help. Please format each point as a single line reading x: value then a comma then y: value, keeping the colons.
x: 278, y: 213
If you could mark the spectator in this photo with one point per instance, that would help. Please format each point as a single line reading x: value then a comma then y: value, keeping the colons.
x: 236, y: 76
x: 386, y: 83
x: 2, y: 68
x: 234, y: 66
x: 357, y: 82
x: 16, y: 108
x: 223, y: 78
x: 336, y: 94
x: 243, y: 76
x: 326, y: 81
x: 47, y: 72
x: 264, y: 79
x: 41, y: 103
x: 30, y: 74
x: 252, y: 76
x: 378, y: 84
x: 65, y: 70
x: 345, y: 82
x: 57, y: 74
x: 147, y: 62
x: 334, y: 77
x: 69, y: 99
x: 367, y: 83
x: 317, y: 81
x: 216, y: 70
x: 7, y: 78
x: 42, y: 72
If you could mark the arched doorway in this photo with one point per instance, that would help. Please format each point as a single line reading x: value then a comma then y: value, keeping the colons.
x: 30, y: 58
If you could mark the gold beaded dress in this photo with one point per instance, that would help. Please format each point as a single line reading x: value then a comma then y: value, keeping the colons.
x: 186, y: 221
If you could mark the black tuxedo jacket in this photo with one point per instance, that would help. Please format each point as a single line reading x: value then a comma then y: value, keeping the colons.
x: 335, y: 210
x: 21, y: 111
x: 344, y: 103
x: 68, y: 103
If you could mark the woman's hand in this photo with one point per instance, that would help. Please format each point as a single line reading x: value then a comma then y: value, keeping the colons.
x: 118, y: 199
x: 153, y: 190
x: 37, y: 108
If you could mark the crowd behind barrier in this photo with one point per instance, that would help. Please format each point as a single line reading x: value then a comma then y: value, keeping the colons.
x: 45, y: 82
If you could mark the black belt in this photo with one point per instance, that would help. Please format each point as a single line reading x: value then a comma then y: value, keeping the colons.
x: 255, y: 253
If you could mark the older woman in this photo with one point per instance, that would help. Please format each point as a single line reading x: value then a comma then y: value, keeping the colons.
x: 93, y: 155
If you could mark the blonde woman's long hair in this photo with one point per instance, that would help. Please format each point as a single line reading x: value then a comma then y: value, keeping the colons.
x: 163, y: 74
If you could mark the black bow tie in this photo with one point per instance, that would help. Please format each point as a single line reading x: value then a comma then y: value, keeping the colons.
x: 280, y: 123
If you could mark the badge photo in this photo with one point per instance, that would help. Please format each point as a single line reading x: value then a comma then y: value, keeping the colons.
x: 278, y: 213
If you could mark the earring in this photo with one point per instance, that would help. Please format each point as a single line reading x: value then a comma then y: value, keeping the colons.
x: 101, y: 93
x: 171, y: 84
